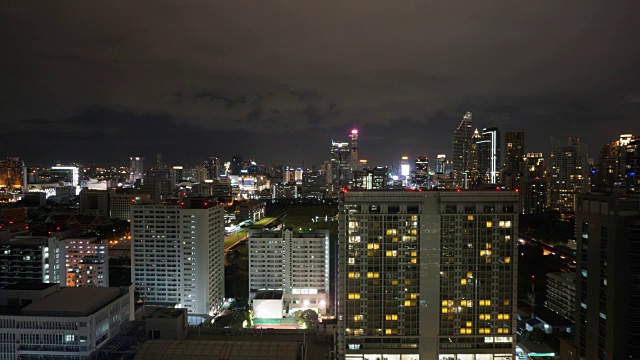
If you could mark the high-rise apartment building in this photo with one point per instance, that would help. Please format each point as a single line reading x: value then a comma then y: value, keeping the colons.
x: 136, y: 168
x: 32, y: 259
x: 608, y: 277
x: 619, y: 165
x: 561, y: 294
x: 177, y: 254
x: 427, y: 275
x: 534, y: 184
x: 13, y: 175
x: 236, y: 165
x: 87, y: 262
x: 295, y: 262
x: 513, y: 159
x: 461, y: 142
x: 568, y: 175
x: 120, y: 204
x: 489, y: 154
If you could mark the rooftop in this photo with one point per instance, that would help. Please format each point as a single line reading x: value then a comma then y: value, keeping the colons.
x: 29, y: 286
x: 268, y: 295
x: 202, y: 349
x: 166, y: 313
x: 73, y: 301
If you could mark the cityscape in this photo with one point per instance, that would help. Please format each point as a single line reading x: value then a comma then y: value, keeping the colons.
x: 366, y: 181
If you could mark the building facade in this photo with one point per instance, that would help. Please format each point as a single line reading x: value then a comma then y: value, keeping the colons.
x: 427, y: 275
x: 461, y: 145
x: 608, y: 277
x: 488, y: 149
x: 87, y: 262
x: 43, y: 321
x: 534, y: 184
x: 295, y: 262
x: 32, y: 259
x: 561, y: 294
x: 568, y: 175
x: 177, y: 254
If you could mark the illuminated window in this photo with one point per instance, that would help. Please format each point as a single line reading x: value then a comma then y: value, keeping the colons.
x: 373, y: 275
x: 414, y: 296
x: 357, y: 318
x: 485, y: 316
x: 409, y: 303
x: 503, y: 316
x: 394, y: 282
x: 465, y: 331
x: 507, y: 260
x: 463, y: 281
x: 392, y: 232
x: 469, y: 274
x: 391, y: 317
x: 414, y: 253
x: 445, y: 310
x: 506, y: 303
x: 414, y: 231
x: 373, y: 246
x: 414, y: 260
x: 392, y: 253
x: 489, y: 224
x: 352, y: 275
x: 391, y: 331
x: 505, y: 224
x: 485, y: 252
x: 394, y: 239
x: 485, y: 302
x: 352, y: 261
x: 470, y: 217
x: 407, y: 282
x: 354, y: 296
x: 484, y: 331
x: 469, y: 324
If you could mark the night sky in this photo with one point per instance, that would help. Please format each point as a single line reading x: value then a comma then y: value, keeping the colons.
x: 96, y: 82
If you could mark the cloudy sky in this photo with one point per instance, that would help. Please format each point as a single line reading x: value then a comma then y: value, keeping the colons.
x: 97, y: 82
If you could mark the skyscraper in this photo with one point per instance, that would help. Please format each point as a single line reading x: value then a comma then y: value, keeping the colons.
x: 354, y: 149
x: 421, y: 175
x: 514, y: 153
x: 177, y: 254
x: 460, y: 146
x: 534, y: 184
x: 619, y: 165
x: 568, y: 175
x: 429, y: 275
x: 489, y: 154
x: 340, y: 164
x: 13, y: 175
x: 136, y: 168
x: 608, y: 277
x: 236, y: 165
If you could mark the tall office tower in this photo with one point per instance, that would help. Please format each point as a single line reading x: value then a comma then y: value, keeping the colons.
x: 157, y: 183
x: 177, y: 174
x: 619, y: 165
x: 568, y: 175
x: 489, y: 154
x: 295, y: 262
x: 136, y: 168
x: 313, y: 185
x: 236, y: 165
x: 177, y: 254
x: 87, y: 262
x: 340, y: 165
x: 534, y: 184
x: 297, y: 175
x: 160, y: 164
x: 214, y: 168
x: 427, y: 275
x: 441, y: 162
x: 13, y: 175
x: 405, y: 170
x: 354, y: 149
x: 32, y: 259
x: 421, y: 175
x: 286, y: 175
x: 514, y: 153
x: 608, y: 277
x: 460, y: 143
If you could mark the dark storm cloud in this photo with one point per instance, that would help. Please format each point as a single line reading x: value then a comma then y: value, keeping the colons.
x: 250, y: 74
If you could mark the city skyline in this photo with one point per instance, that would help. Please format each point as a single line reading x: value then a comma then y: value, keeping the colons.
x: 222, y: 79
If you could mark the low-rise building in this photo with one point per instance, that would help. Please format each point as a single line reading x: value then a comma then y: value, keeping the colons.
x: 561, y: 294
x: 45, y: 321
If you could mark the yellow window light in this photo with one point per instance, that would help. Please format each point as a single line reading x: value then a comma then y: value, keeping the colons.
x: 463, y: 281
x: 470, y: 217
x: 489, y: 224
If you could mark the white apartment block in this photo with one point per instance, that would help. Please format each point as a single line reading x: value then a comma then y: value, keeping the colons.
x: 177, y: 255
x: 32, y: 259
x: 43, y: 321
x: 427, y: 275
x: 295, y: 262
x: 87, y: 262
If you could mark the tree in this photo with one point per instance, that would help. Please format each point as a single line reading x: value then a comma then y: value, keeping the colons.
x: 537, y: 335
x: 306, y: 318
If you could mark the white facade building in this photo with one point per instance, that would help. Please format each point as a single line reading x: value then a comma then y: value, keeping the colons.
x: 178, y: 255
x: 87, y: 262
x: 43, y: 321
x: 295, y: 262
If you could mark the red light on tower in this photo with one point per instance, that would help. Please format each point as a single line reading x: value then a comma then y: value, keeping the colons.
x: 533, y: 277
x: 458, y: 190
x: 497, y: 187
